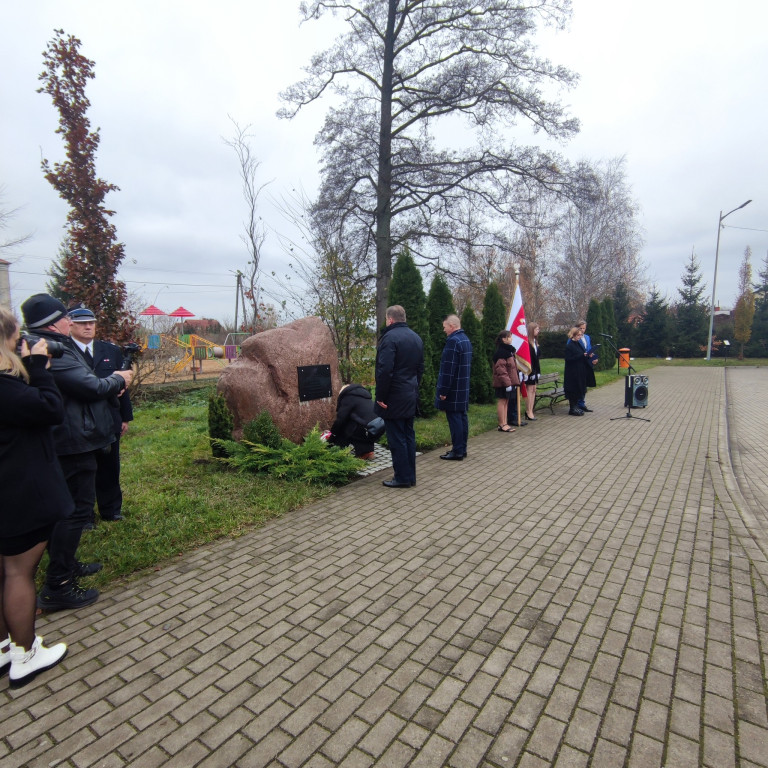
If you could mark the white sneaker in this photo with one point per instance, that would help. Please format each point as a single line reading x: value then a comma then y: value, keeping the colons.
x: 5, y: 655
x: 26, y: 665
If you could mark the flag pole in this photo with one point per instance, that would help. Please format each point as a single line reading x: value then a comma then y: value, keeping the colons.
x: 520, y: 388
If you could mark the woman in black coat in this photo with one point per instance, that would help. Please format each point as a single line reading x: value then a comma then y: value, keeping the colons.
x: 575, y: 376
x: 34, y: 497
x: 354, y: 410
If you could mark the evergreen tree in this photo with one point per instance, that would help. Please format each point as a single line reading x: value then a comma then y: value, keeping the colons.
x: 744, y: 312
x: 653, y: 333
x: 621, y: 312
x: 439, y: 306
x: 57, y: 271
x: 480, y: 377
x: 691, y: 313
x: 407, y: 290
x: 494, y: 318
x: 608, y: 356
x: 758, y: 342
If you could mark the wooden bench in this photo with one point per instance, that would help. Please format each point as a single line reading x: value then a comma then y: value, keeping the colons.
x: 549, y: 390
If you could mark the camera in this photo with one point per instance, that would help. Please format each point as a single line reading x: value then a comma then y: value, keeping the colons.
x: 130, y: 350
x: 55, y: 348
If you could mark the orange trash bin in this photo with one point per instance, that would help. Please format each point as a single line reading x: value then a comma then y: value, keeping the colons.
x: 624, y: 358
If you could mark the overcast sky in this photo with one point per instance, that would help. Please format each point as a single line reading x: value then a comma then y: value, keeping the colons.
x: 678, y: 86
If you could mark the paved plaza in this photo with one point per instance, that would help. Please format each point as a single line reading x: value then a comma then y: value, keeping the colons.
x: 583, y: 592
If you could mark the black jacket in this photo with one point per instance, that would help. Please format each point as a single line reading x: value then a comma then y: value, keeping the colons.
x: 88, y: 424
x: 535, y: 364
x: 399, y: 368
x: 108, y: 359
x: 34, y: 491
x: 354, y: 409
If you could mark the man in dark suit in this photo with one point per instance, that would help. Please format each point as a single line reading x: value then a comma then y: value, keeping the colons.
x: 590, y: 362
x: 399, y: 368
x: 104, y: 359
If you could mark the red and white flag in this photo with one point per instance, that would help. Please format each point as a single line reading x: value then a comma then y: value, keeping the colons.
x: 519, y: 331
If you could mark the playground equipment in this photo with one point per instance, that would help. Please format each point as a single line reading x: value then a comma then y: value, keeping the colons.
x: 194, y: 349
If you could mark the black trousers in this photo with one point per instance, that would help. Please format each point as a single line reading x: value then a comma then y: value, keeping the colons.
x: 80, y: 473
x: 401, y: 439
x: 512, y: 406
x: 109, y: 495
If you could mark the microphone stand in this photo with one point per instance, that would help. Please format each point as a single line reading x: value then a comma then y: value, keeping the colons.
x: 628, y: 414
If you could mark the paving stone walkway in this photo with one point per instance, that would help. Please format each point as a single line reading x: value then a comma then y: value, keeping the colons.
x: 583, y: 592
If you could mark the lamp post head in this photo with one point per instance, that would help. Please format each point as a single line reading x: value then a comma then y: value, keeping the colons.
x: 743, y: 205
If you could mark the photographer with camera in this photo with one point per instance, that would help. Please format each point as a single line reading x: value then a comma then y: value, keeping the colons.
x: 87, y: 428
x: 35, y: 496
x: 104, y: 359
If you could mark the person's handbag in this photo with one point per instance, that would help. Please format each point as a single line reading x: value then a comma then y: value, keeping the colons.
x: 375, y: 428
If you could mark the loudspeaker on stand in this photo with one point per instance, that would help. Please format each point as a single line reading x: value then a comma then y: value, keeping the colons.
x: 636, y: 391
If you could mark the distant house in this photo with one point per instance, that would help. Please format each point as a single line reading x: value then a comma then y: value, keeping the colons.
x: 723, y: 317
x: 203, y: 326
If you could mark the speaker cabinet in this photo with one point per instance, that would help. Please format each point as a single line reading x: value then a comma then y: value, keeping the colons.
x: 636, y: 391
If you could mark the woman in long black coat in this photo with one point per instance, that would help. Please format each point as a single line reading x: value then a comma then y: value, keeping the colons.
x: 34, y: 497
x: 577, y: 368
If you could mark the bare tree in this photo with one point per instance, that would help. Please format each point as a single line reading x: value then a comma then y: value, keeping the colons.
x: 404, y: 66
x: 599, y: 238
x: 254, y: 231
x: 327, y: 280
x: 6, y: 216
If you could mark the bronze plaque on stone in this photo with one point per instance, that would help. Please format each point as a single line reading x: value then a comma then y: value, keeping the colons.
x: 314, y: 382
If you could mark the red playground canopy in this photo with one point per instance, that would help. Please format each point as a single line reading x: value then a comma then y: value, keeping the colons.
x: 182, y: 313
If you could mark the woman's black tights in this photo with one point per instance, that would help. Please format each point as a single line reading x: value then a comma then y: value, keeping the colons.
x: 18, y: 599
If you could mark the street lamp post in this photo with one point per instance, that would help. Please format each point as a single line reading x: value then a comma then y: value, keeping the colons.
x: 714, y: 281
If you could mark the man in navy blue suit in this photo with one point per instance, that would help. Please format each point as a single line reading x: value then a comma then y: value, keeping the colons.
x: 453, y: 386
x: 104, y: 359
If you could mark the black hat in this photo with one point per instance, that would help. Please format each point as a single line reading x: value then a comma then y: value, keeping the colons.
x: 42, y: 310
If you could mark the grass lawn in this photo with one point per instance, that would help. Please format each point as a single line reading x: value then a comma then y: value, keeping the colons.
x: 177, y: 497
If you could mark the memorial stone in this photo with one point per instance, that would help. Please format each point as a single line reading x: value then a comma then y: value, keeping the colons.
x: 266, y: 377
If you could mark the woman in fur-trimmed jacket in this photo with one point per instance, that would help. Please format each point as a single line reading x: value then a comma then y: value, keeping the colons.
x: 505, y: 377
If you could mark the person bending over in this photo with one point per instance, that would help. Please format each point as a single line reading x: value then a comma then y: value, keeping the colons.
x: 354, y: 410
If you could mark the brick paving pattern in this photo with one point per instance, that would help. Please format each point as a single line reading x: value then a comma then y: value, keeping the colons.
x: 582, y: 592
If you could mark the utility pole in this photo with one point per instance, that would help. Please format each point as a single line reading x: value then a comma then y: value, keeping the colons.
x: 238, y: 288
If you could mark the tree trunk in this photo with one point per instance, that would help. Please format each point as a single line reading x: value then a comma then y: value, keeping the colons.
x: 384, y: 181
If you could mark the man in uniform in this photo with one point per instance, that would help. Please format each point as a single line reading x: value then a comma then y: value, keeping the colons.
x: 105, y: 359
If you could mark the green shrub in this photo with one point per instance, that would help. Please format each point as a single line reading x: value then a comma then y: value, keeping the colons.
x: 262, y: 430
x: 314, y: 461
x: 220, y: 424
